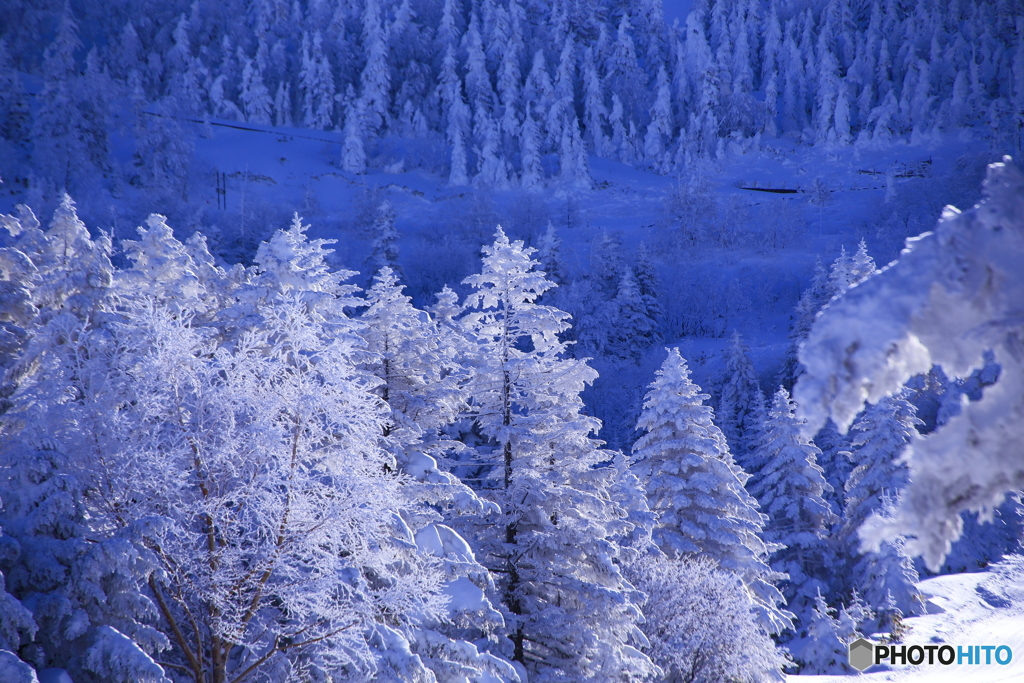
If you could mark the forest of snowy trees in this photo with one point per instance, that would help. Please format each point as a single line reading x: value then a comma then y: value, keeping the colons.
x: 498, y: 92
x: 227, y: 458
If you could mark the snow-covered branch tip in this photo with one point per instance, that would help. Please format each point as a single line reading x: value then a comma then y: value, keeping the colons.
x: 953, y: 294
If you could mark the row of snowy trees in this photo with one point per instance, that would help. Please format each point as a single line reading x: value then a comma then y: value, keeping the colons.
x: 503, y: 83
x: 215, y: 473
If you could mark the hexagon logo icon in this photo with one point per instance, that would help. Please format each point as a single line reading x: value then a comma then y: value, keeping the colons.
x: 862, y: 654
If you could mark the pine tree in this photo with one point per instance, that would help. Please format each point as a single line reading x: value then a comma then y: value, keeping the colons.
x: 375, y: 80
x: 353, y: 153
x: 736, y: 407
x: 255, y: 97
x: 632, y: 331
x: 574, y: 167
x: 790, y: 487
x: 549, y: 255
x: 659, y: 130
x: 697, y: 491
x: 825, y: 651
x: 571, y: 613
x: 458, y: 116
x: 423, y: 383
x: 649, y: 284
x: 595, y: 111
x: 59, y: 142
x: 383, y: 247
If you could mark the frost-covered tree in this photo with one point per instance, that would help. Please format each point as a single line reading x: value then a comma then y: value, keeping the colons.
x: 632, y: 330
x: 825, y: 651
x: 457, y: 114
x: 353, y: 152
x: 83, y: 581
x: 383, y: 242
x: 59, y: 141
x: 697, y: 491
x: 256, y: 101
x: 701, y: 625
x: 790, y: 487
x: 423, y: 384
x: 659, y: 130
x: 947, y: 300
x: 737, y: 405
x: 571, y: 614
x: 649, y: 284
x: 880, y: 435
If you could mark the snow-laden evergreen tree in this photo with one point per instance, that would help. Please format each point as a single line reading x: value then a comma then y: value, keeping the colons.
x: 458, y: 115
x: 701, y: 625
x: 384, y: 238
x: 423, y: 384
x: 59, y: 143
x: 879, y: 437
x: 574, y: 167
x: 571, y: 614
x: 353, y: 152
x: 256, y: 101
x: 632, y: 330
x: 649, y: 284
x: 549, y: 255
x: 375, y: 80
x: 81, y: 579
x: 825, y: 651
x: 736, y: 412
x: 790, y: 487
x: 659, y: 130
x: 697, y: 491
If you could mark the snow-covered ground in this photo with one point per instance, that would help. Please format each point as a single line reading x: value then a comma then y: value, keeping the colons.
x: 983, y: 608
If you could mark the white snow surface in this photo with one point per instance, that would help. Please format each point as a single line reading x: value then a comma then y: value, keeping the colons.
x: 983, y: 608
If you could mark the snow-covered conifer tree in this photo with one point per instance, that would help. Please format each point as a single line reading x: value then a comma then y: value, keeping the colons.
x: 571, y: 613
x: 649, y: 284
x: 458, y: 116
x: 736, y: 407
x: 825, y: 652
x: 423, y: 383
x: 255, y: 96
x: 533, y: 173
x: 790, y: 487
x: 632, y: 331
x: 59, y: 142
x: 697, y: 491
x: 353, y: 153
x: 574, y: 167
x: 659, y: 130
x: 549, y: 255
x: 375, y: 80
x: 383, y: 247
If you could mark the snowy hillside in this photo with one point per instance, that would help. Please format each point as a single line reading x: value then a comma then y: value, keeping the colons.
x: 985, y: 608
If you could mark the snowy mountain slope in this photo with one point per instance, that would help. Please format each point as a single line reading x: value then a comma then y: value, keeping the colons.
x: 744, y: 273
x: 985, y: 608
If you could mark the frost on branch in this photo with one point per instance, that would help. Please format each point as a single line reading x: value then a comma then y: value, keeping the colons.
x: 953, y: 294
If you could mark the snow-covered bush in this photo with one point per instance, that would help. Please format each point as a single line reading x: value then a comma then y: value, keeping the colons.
x: 701, y: 626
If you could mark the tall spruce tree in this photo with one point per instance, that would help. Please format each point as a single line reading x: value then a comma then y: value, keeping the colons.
x: 571, y: 614
x: 697, y: 491
x: 790, y: 486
